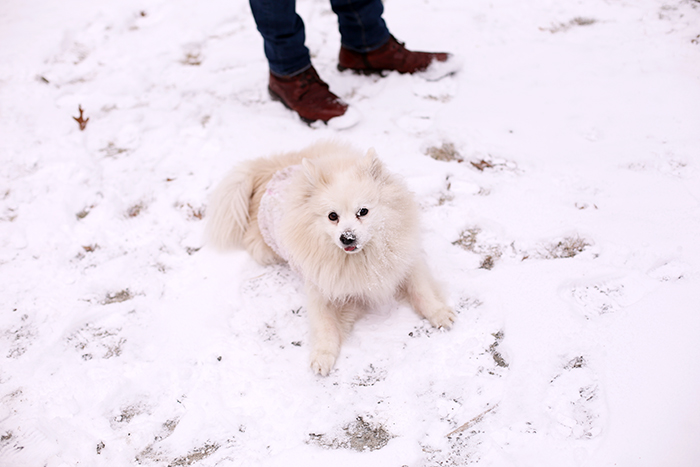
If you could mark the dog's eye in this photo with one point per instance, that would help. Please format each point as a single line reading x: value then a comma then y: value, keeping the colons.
x: 333, y: 216
x: 362, y: 212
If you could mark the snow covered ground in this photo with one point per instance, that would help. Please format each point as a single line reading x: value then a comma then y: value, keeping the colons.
x: 559, y: 176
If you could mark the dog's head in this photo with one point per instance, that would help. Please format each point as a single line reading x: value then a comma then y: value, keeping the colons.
x: 347, y: 199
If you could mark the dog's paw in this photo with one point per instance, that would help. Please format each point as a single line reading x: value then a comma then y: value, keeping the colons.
x: 322, y: 362
x: 443, y: 317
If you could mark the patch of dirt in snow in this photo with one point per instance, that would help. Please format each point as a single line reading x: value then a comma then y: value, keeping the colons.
x: 492, y: 249
x: 111, y: 150
x: 370, y: 376
x: 9, y: 443
x: 567, y: 247
x: 493, y: 350
x: 18, y: 337
x: 448, y: 152
x: 489, y: 163
x: 158, y: 451
x: 193, y: 213
x: 127, y: 414
x: 362, y: 434
x: 117, y: 297
x: 136, y: 209
x: 574, y: 23
x: 152, y: 455
x: 196, y: 455
x: 94, y: 341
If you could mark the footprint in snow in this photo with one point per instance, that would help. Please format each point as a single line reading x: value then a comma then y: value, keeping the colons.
x: 416, y: 121
x: 608, y: 295
x: 574, y: 402
x: 440, y: 91
x: 670, y: 271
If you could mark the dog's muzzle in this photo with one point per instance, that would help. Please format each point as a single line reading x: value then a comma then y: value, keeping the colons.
x: 349, y: 241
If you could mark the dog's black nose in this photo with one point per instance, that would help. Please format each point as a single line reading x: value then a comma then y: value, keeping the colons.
x: 347, y: 238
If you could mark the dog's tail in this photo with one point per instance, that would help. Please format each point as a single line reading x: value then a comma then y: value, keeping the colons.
x: 229, y: 209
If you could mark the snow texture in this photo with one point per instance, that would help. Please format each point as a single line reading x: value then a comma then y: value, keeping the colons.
x: 559, y: 179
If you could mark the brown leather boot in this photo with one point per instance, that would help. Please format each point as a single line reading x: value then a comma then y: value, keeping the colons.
x: 392, y: 56
x: 307, y: 95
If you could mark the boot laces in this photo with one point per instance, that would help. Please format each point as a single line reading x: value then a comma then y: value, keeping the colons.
x: 308, y: 79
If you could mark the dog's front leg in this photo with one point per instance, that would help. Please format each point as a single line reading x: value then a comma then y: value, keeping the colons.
x: 425, y: 297
x: 326, y: 331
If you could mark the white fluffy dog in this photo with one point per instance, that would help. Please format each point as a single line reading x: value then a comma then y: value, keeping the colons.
x: 341, y: 221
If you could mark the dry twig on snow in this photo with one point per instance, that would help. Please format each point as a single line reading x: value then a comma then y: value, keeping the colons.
x: 472, y: 422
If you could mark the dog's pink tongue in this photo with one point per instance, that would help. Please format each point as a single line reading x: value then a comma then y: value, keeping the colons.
x: 350, y: 248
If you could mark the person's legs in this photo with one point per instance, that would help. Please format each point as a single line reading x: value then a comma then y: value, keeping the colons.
x: 360, y: 23
x: 283, y: 32
x: 368, y: 47
x: 293, y: 80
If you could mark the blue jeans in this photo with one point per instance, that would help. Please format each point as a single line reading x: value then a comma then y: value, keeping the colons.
x: 360, y: 23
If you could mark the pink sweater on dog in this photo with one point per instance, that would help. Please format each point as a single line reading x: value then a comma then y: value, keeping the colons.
x: 270, y: 211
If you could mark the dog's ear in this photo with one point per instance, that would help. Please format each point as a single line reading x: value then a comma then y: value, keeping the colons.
x: 373, y: 165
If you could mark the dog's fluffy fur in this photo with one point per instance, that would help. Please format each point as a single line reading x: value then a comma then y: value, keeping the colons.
x: 347, y: 226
